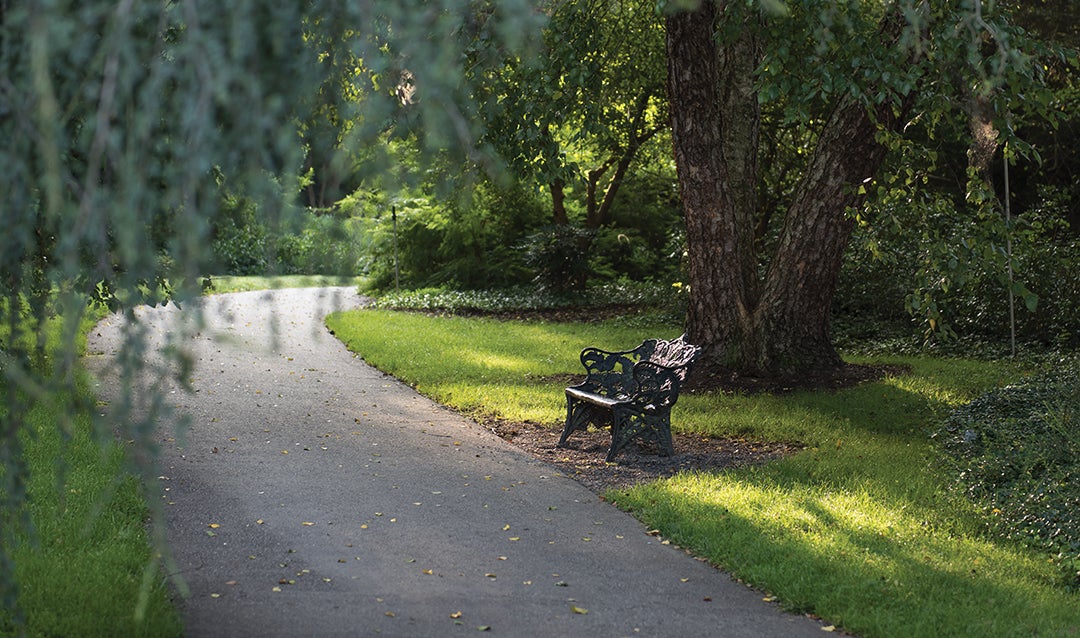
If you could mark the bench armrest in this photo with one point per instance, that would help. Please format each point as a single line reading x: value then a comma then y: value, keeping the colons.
x: 656, y: 385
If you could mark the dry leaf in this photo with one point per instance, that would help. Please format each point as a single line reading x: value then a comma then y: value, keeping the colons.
x: 456, y: 614
x: 578, y: 610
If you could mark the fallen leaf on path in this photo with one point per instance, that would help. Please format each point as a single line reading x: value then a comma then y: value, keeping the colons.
x: 213, y: 526
x: 456, y: 614
x: 578, y: 610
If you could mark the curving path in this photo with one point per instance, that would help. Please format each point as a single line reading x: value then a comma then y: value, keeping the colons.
x: 314, y: 496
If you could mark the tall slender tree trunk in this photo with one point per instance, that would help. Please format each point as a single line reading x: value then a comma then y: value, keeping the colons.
x: 776, y: 324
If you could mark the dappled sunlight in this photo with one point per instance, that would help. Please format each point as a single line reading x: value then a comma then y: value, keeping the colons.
x: 502, y: 363
x: 797, y: 537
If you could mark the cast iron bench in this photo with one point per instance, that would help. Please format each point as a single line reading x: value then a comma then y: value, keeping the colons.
x: 631, y: 391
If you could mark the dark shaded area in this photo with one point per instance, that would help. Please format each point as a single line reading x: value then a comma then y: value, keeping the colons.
x: 584, y: 462
x: 703, y: 379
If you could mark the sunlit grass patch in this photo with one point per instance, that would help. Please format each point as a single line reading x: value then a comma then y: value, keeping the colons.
x: 875, y: 565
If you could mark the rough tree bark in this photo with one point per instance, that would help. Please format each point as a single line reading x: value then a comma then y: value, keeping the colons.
x: 776, y: 324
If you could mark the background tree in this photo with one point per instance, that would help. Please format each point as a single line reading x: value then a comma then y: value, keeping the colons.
x: 854, y: 74
x: 577, y: 117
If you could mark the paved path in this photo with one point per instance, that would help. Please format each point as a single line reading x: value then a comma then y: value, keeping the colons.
x: 315, y: 496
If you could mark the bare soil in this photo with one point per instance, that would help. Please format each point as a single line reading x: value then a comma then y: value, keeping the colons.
x: 583, y: 458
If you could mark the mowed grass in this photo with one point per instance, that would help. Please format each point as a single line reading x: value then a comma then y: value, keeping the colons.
x: 248, y: 283
x: 859, y: 528
x: 85, y: 567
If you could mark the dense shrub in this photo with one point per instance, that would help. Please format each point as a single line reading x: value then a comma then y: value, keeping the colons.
x: 930, y: 264
x: 1016, y: 452
x: 239, y: 241
x: 559, y: 257
x: 468, y: 242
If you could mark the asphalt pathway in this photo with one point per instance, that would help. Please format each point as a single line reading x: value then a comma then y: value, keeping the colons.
x: 312, y: 495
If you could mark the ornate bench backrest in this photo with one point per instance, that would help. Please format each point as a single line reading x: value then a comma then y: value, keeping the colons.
x: 675, y: 354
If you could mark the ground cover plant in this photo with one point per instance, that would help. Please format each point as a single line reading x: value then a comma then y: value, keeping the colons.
x: 860, y: 527
x: 84, y: 565
x: 1015, y: 452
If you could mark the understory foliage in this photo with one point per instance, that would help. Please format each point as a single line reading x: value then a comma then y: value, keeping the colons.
x: 1016, y: 452
x: 492, y: 236
x: 623, y: 294
x: 924, y: 267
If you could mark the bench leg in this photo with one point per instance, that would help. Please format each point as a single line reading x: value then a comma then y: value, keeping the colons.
x: 578, y: 415
x: 628, y: 425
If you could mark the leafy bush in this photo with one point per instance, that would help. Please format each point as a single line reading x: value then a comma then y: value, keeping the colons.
x: 327, y: 244
x: 467, y: 243
x: 559, y: 255
x: 1016, y: 452
x: 925, y: 260
x: 239, y: 241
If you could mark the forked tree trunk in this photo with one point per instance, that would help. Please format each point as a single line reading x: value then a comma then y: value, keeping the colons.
x: 776, y: 325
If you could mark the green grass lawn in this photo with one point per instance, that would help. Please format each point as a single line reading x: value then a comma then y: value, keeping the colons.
x: 238, y: 283
x: 859, y: 528
x: 85, y: 566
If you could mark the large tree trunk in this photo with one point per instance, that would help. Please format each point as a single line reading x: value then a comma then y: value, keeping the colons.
x: 776, y: 325
x: 716, y: 157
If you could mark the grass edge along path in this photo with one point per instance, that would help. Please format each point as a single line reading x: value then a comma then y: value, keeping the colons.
x: 858, y: 529
x: 87, y: 567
